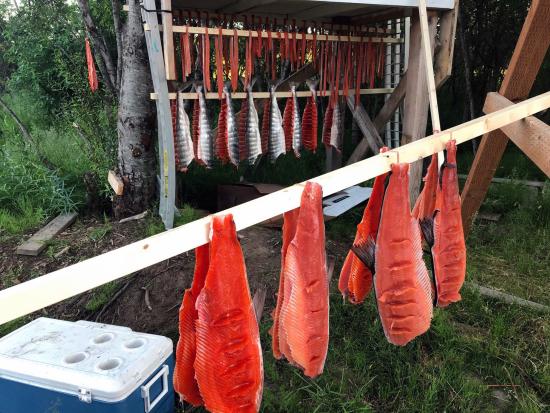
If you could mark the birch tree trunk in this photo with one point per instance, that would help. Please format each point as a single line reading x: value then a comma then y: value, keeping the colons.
x: 136, y: 120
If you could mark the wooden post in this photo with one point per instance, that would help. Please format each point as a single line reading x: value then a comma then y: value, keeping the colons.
x: 531, y: 135
x: 167, y: 162
x: 416, y: 99
x: 371, y: 135
x: 526, y: 61
x: 168, y: 40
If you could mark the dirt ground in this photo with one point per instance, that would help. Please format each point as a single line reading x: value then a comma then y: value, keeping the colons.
x: 163, y: 283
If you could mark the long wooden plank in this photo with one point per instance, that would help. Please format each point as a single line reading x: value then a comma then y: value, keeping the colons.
x: 266, y: 95
x: 56, y: 286
x: 531, y: 135
x: 370, y: 134
x: 168, y: 40
x: 527, y: 59
x: 36, y: 244
x: 164, y: 117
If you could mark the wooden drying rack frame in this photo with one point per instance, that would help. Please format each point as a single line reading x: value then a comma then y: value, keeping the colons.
x: 32, y: 295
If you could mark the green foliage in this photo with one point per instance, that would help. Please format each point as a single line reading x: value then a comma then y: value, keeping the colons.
x: 101, y: 296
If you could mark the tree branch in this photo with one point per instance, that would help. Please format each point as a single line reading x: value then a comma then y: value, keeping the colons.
x: 106, y: 66
x: 118, y: 35
x: 24, y: 131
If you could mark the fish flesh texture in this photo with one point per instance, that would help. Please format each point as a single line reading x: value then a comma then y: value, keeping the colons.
x: 266, y: 130
x: 184, y: 152
x: 327, y: 123
x: 356, y: 278
x: 202, y: 133
x: 276, y: 143
x: 401, y: 280
x: 425, y: 204
x: 304, y: 316
x: 184, y: 372
x: 292, y: 123
x: 227, y: 140
x: 333, y: 125
x: 449, y: 248
x: 309, y: 119
x: 228, y: 363
x: 279, y: 344
x: 250, y: 141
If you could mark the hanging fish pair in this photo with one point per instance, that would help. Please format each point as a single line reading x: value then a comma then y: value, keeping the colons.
x: 227, y: 140
x: 438, y: 210
x: 300, y: 331
x: 273, y: 135
x: 218, y: 356
x: 333, y: 124
x: 250, y: 141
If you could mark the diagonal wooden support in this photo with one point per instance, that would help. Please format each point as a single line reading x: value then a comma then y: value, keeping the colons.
x: 371, y: 135
x: 519, y: 78
x: 531, y: 135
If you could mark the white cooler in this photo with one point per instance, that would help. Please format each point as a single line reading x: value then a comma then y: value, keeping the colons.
x: 64, y: 367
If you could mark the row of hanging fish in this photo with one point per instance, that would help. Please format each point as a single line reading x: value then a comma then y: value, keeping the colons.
x: 218, y: 356
x: 387, y: 251
x: 241, y: 137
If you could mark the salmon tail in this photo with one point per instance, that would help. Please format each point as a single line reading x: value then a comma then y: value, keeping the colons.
x: 427, y: 228
x: 365, y: 251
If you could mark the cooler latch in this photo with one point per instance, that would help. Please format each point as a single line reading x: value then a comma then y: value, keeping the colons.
x: 85, y: 395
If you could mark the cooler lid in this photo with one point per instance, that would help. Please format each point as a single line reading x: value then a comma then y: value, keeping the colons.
x: 108, y: 361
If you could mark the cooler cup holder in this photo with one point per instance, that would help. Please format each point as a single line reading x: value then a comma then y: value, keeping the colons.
x: 135, y: 343
x: 76, y: 357
x: 103, y: 338
x: 109, y: 364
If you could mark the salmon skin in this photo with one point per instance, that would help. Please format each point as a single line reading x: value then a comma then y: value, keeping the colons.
x: 252, y: 134
x: 202, y: 132
x: 425, y: 204
x: 184, y: 152
x: 184, y: 372
x: 228, y: 363
x: 276, y: 142
x: 309, y: 119
x: 356, y: 278
x: 449, y: 248
x: 292, y: 123
x: 333, y: 127
x: 304, y: 313
x: 279, y: 344
x: 401, y: 280
x: 227, y: 141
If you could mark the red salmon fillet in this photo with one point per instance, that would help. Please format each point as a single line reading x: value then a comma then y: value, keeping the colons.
x: 425, y: 204
x: 279, y: 344
x: 228, y: 364
x: 222, y: 138
x: 184, y: 372
x: 401, y: 280
x: 304, y: 315
x: 449, y: 249
x: 288, y: 123
x: 356, y: 278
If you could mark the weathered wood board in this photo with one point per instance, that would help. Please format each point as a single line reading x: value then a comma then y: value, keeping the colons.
x: 36, y: 244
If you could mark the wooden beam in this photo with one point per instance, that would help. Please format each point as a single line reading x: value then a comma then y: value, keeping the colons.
x: 416, y: 106
x: 368, y: 129
x: 115, y: 182
x: 527, y: 59
x: 531, y: 135
x: 443, y: 61
x: 36, y: 244
x: 168, y: 41
x: 56, y: 286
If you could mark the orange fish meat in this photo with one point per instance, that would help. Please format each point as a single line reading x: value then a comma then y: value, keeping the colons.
x: 184, y: 372
x: 356, y: 278
x: 425, y: 204
x: 401, y: 280
x: 449, y: 248
x: 228, y: 363
x: 304, y: 316
x: 279, y: 344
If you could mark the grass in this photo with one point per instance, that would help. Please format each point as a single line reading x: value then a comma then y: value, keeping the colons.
x: 101, y: 296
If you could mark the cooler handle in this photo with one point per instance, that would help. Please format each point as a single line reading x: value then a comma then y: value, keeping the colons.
x: 145, y: 389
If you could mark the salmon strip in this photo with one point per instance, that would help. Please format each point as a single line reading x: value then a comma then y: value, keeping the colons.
x: 228, y: 364
x: 356, y: 278
x: 401, y: 280
x: 449, y: 249
x: 425, y: 204
x: 184, y: 372
x: 279, y: 344
x: 304, y: 316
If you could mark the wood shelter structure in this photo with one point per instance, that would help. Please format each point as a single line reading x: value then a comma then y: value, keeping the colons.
x: 509, y: 116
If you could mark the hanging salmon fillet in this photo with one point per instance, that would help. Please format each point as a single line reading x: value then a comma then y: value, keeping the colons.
x: 184, y: 372
x: 425, y: 203
x: 276, y: 142
x: 279, y: 344
x: 266, y: 129
x: 202, y: 133
x: 227, y: 140
x: 309, y: 119
x: 228, y: 363
x: 401, y: 281
x: 92, y: 74
x: 356, y: 278
x: 183, y: 145
x: 304, y: 316
x: 291, y: 123
x: 449, y: 249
